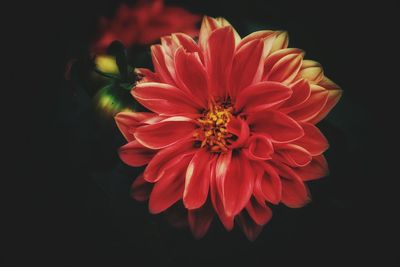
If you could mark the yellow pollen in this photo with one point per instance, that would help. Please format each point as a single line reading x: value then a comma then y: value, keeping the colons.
x: 213, y: 128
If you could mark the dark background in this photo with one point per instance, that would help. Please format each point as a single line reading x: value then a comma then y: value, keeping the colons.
x: 71, y: 204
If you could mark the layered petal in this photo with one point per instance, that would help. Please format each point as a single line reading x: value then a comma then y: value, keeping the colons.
x: 192, y: 76
x: 292, y: 155
x: 236, y: 186
x: 169, y: 189
x: 259, y: 148
x: 247, y: 66
x: 286, y: 69
x: 270, y: 184
x: 311, y: 71
x: 200, y: 220
x: 301, y: 91
x: 135, y: 154
x: 279, y: 127
x: 167, y: 157
x: 334, y: 94
x: 259, y: 212
x: 249, y: 227
x: 313, y: 140
x: 218, y: 58
x: 316, y: 169
x: 312, y: 107
x: 294, y: 192
x: 166, y: 132
x: 281, y: 41
x: 197, y: 182
x: 164, y: 99
x: 262, y: 95
x: 127, y: 122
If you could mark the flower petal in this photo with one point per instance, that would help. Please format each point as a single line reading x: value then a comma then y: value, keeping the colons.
x: 335, y: 94
x: 169, y: 189
x: 249, y: 227
x: 135, y: 154
x: 313, y: 140
x: 294, y: 192
x: 311, y: 71
x: 286, y: 69
x: 164, y: 99
x: 237, y: 185
x: 271, y: 185
x: 301, y: 91
x: 208, y: 25
x: 259, y: 212
x: 219, y: 54
x: 160, y: 65
x: 259, y: 148
x: 278, y: 126
x: 141, y: 189
x: 197, y: 180
x: 127, y: 122
x: 166, y: 132
x: 317, y: 168
x: 293, y: 155
x: 240, y: 128
x: 200, y: 220
x: 281, y: 41
x: 192, y: 75
x: 262, y: 95
x: 277, y: 56
x: 146, y: 75
x: 267, y: 36
x: 247, y: 66
x: 312, y: 107
x: 167, y: 157
x: 218, y: 170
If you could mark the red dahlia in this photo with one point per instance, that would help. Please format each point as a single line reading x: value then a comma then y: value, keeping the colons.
x: 231, y: 123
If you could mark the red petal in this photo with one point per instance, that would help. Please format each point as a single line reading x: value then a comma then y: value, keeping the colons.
x: 160, y: 65
x: 219, y: 54
x: 208, y: 25
x: 221, y: 165
x: 262, y: 95
x: 135, y: 154
x: 260, y: 213
x: 247, y: 66
x: 141, y: 189
x: 267, y: 36
x: 169, y: 189
x: 277, y: 125
x: 198, y: 175
x: 286, y: 69
x: 335, y: 93
x: 249, y: 227
x: 294, y: 192
x: 271, y: 185
x: 200, y: 220
x: 300, y: 93
x: 317, y: 168
x: 164, y: 99
x: 276, y: 56
x: 260, y: 147
x: 313, y: 106
x: 237, y: 185
x: 192, y: 75
x: 240, y: 128
x: 127, y: 122
x: 313, y: 140
x: 166, y: 132
x: 292, y: 155
x: 167, y: 157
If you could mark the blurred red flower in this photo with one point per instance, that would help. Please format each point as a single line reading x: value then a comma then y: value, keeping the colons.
x: 144, y: 23
x: 231, y: 129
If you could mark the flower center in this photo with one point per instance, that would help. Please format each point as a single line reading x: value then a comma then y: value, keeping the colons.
x: 213, y: 131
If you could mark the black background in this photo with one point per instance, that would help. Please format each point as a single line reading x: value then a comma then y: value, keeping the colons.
x: 71, y: 206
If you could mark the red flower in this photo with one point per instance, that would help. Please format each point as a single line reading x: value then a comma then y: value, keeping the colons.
x: 144, y: 23
x: 232, y: 123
